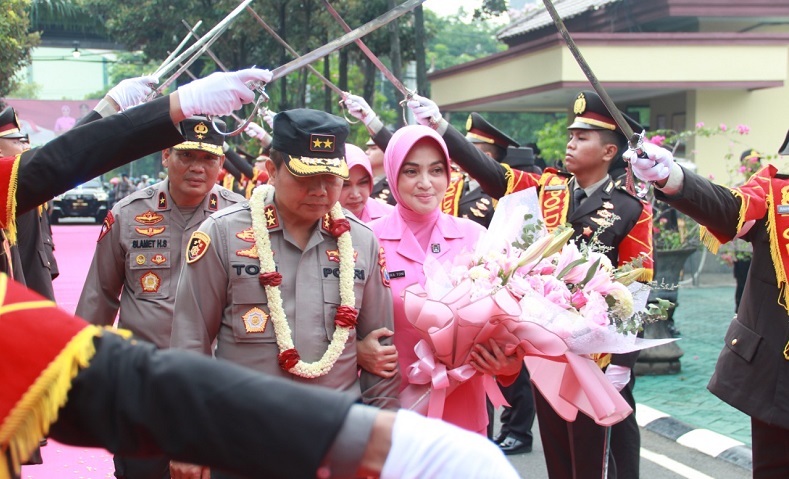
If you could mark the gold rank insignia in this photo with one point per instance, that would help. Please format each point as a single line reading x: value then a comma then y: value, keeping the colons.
x: 158, y: 258
x: 200, y: 130
x: 322, y: 143
x: 255, y: 320
x: 149, y: 218
x: 149, y: 231
x: 326, y: 223
x: 251, y: 252
x: 580, y: 104
x: 162, y: 200
x: 140, y: 259
x: 150, y: 282
x: 213, y: 202
x: 198, y: 245
x: 272, y: 221
x: 247, y: 235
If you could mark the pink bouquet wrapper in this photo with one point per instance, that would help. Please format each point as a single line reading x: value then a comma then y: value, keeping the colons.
x: 452, y: 325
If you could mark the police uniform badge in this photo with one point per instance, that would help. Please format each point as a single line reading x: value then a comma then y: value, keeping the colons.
x: 382, y: 266
x: 162, y: 200
x: 255, y: 320
x: 246, y: 235
x: 198, y: 245
x: 150, y: 282
x: 149, y: 231
x: 106, y: 225
x: 149, y: 218
x: 251, y: 252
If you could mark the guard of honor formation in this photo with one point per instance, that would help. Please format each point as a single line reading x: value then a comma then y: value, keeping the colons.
x: 246, y: 273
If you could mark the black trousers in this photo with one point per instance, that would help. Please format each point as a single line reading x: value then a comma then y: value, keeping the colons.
x: 770, y: 450
x: 517, y: 419
x: 576, y: 450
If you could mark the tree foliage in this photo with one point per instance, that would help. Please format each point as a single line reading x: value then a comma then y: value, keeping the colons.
x: 15, y: 41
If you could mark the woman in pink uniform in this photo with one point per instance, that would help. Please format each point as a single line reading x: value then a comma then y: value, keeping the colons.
x: 417, y: 165
x: 357, y: 188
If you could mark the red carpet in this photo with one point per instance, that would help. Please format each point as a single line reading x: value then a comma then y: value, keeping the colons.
x: 74, y: 250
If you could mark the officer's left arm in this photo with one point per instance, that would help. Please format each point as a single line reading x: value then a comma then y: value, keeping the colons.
x: 202, y: 292
x: 377, y: 312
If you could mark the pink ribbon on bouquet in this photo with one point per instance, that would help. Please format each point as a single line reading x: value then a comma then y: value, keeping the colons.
x: 426, y: 370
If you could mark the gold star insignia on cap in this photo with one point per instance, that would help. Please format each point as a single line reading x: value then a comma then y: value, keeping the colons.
x: 322, y: 143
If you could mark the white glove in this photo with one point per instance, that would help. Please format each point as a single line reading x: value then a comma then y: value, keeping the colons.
x: 655, y: 168
x: 132, y: 91
x: 268, y: 117
x: 359, y: 109
x: 253, y: 130
x: 425, y: 110
x: 424, y: 447
x: 220, y: 93
x: 618, y: 376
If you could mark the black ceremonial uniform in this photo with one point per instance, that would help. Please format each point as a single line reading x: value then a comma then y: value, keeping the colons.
x: 50, y: 170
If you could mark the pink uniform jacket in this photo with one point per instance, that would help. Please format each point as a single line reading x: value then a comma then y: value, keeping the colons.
x: 449, y: 236
x: 374, y: 209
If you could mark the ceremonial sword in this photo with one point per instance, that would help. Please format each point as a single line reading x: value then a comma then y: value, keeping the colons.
x: 195, y: 50
x: 293, y: 52
x: 370, y: 55
x: 635, y: 140
x: 324, y: 50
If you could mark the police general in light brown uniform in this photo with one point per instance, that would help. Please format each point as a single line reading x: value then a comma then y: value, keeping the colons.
x: 220, y: 295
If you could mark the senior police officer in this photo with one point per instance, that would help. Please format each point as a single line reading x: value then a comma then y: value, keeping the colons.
x: 278, y: 283
x: 139, y: 251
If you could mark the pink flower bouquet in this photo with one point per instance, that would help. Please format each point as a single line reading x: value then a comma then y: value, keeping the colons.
x: 544, y: 295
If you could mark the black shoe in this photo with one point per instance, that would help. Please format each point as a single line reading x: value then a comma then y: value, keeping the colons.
x: 499, y: 438
x: 512, y: 445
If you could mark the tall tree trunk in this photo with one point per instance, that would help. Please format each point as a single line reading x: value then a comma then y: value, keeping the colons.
x: 419, y: 46
x: 369, y: 81
x: 395, y: 54
x: 327, y: 93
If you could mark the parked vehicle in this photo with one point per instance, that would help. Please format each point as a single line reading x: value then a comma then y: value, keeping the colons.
x: 88, y: 200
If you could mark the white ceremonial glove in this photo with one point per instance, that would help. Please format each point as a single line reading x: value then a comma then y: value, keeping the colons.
x: 655, y: 168
x: 425, y: 110
x: 424, y: 447
x: 359, y: 109
x: 253, y: 130
x: 268, y: 117
x: 220, y: 93
x: 132, y: 91
x: 618, y: 376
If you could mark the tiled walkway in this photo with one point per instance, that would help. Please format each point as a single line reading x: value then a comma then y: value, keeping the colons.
x: 703, y: 315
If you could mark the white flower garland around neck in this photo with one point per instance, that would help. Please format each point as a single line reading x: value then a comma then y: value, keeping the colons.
x: 282, y: 330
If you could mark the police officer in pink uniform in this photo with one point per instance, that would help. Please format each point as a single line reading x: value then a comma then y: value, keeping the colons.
x: 417, y: 166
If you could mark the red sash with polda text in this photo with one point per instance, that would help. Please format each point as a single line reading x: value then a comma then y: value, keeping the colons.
x: 554, y: 198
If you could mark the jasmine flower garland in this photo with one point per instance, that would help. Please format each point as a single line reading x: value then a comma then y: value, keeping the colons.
x: 345, y: 318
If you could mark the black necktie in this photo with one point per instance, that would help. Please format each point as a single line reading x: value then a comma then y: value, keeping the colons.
x: 578, y: 196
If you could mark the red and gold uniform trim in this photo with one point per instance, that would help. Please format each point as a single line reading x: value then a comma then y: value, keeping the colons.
x: 554, y: 198
x: 47, y: 347
x: 451, y: 202
x: 638, y: 243
x: 9, y: 168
